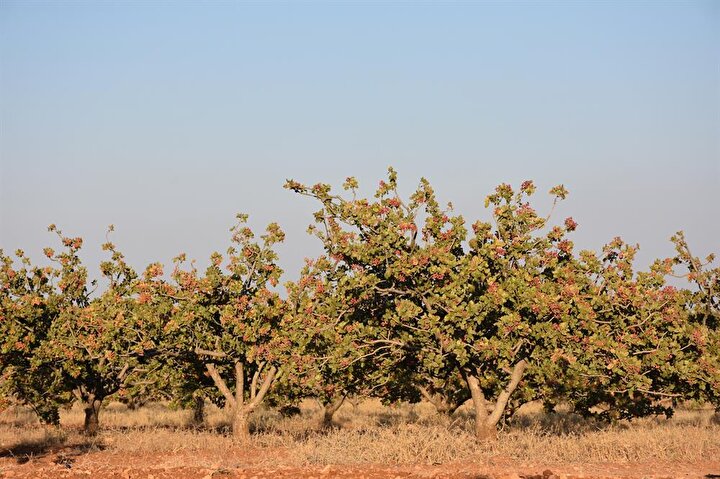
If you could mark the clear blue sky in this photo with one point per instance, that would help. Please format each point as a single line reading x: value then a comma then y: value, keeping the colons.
x: 168, y: 118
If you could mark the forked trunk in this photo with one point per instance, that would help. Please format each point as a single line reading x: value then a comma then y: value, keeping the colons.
x: 329, y: 411
x: 486, y: 423
x: 484, y: 430
x: 92, y: 416
x: 236, y: 403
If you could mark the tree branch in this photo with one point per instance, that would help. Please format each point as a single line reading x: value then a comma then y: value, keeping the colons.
x: 256, y: 377
x: 220, y: 384
x: 239, y: 383
x: 123, y: 372
x: 504, y: 397
x: 269, y: 378
x: 212, y: 354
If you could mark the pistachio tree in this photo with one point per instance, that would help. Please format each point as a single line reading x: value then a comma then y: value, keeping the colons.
x: 63, y: 345
x: 625, y: 347
x: 379, y: 263
x: 231, y: 321
x: 440, y: 304
x: 638, y: 345
x: 104, y: 345
x: 498, y: 323
x: 702, y: 303
x: 331, y: 358
x: 29, y: 304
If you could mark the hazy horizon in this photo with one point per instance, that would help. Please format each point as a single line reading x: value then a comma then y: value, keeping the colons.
x: 166, y: 119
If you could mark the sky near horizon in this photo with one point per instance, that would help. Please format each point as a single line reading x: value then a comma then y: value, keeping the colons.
x: 167, y: 118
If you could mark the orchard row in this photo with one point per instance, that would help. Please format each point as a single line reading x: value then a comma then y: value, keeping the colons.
x: 407, y: 303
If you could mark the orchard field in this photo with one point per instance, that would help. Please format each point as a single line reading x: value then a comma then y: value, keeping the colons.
x: 369, y: 440
x: 420, y: 344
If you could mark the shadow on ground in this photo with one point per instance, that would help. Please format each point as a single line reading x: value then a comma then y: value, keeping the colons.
x: 66, y: 452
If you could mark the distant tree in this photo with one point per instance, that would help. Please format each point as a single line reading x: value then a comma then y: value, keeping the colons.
x: 174, y: 376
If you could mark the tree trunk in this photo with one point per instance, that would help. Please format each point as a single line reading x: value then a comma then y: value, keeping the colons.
x: 483, y: 430
x: 329, y: 411
x: 241, y: 409
x: 240, y: 424
x: 486, y: 424
x: 92, y: 416
x: 198, y: 411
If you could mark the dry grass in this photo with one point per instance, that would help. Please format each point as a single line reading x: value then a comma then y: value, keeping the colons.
x: 414, y: 434
x: 372, y: 433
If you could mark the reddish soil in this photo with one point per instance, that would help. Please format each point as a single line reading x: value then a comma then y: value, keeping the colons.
x: 69, y: 462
